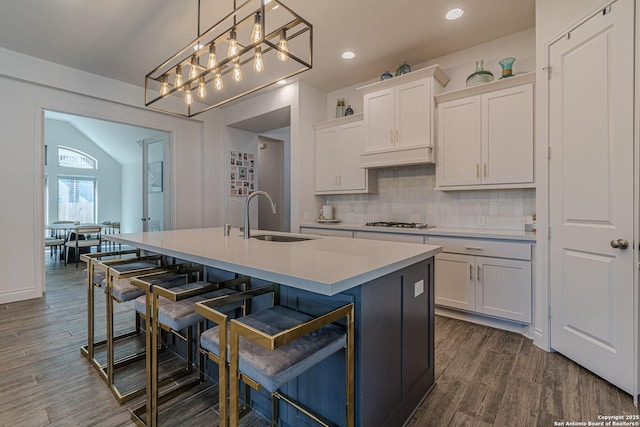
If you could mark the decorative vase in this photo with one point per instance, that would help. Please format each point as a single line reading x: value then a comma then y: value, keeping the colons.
x: 507, y: 67
x: 403, y: 69
x: 386, y: 75
x: 480, y: 76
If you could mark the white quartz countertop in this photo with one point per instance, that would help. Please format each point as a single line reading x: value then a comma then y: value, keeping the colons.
x: 325, y: 265
x: 482, y: 233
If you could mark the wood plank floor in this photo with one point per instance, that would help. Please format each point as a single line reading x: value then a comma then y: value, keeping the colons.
x: 484, y: 376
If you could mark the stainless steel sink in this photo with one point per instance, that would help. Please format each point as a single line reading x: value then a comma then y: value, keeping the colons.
x: 279, y: 238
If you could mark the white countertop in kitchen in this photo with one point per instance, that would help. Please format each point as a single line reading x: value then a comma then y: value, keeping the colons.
x: 525, y: 236
x: 325, y: 265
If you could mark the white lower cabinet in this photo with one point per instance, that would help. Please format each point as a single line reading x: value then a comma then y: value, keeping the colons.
x: 493, y: 286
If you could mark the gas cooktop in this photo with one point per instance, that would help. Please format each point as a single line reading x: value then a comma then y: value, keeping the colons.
x: 396, y: 224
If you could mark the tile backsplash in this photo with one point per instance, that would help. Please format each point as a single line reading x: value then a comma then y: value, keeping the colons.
x: 407, y: 194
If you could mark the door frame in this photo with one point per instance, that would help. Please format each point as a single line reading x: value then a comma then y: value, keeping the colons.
x: 165, y: 138
x: 542, y: 332
x: 39, y: 157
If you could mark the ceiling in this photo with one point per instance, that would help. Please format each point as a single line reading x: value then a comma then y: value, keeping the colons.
x: 124, y: 39
x: 116, y: 139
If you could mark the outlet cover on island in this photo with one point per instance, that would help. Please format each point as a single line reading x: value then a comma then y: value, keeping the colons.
x: 418, y: 288
x: 482, y: 220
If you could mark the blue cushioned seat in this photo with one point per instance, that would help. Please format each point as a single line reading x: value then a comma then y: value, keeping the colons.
x: 180, y: 314
x: 274, y: 368
x: 122, y: 289
x: 98, y: 275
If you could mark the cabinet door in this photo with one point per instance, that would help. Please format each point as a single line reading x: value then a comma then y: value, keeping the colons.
x: 459, y: 142
x: 412, y: 114
x: 507, y: 136
x: 503, y: 288
x: 378, y: 110
x: 327, y: 159
x: 352, y: 176
x: 454, y: 283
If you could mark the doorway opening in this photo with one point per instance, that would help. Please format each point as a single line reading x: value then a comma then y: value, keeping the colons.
x: 99, y: 171
x: 266, y: 137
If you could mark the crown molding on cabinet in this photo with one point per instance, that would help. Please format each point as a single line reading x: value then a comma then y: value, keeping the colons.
x: 487, y: 87
x: 434, y: 70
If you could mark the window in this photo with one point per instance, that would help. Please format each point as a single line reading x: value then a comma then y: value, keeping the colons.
x: 70, y: 158
x: 77, y: 199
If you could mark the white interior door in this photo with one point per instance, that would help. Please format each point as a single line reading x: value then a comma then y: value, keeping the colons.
x: 155, y: 173
x: 591, y: 104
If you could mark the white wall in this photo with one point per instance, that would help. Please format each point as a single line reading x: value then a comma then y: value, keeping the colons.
x: 60, y: 133
x: 131, y: 198
x: 284, y: 135
x: 31, y: 85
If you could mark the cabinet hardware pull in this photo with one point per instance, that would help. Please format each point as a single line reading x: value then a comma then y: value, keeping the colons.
x: 396, y: 135
x: 475, y: 248
x: 391, y: 138
x: 477, y: 170
x: 470, y: 272
x: 339, y: 180
x: 485, y: 170
x: 478, y: 274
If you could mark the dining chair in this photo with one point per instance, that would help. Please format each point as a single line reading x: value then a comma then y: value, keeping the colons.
x: 83, y: 237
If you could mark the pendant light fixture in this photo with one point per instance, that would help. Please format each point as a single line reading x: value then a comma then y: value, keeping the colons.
x: 257, y: 55
x: 283, y: 47
x: 256, y: 32
x: 178, y: 82
x: 193, y: 70
x: 258, y: 62
x: 217, y: 81
x: 164, y: 88
x: 233, y: 44
x: 213, y: 60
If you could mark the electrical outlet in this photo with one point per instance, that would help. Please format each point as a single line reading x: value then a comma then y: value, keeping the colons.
x: 418, y: 288
x: 307, y: 216
x: 482, y: 220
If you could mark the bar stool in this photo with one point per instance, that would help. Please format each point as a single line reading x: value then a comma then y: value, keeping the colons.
x: 94, y: 279
x: 118, y: 289
x: 172, y: 308
x: 277, y: 345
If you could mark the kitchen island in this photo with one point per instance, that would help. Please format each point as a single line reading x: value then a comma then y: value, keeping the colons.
x: 391, y: 285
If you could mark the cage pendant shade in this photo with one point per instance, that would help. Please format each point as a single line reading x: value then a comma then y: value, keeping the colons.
x: 264, y: 43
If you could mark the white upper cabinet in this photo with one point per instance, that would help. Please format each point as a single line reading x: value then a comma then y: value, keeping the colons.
x: 339, y: 144
x: 485, y: 136
x: 399, y: 118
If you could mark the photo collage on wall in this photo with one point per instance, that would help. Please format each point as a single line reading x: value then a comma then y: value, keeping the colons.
x: 243, y: 173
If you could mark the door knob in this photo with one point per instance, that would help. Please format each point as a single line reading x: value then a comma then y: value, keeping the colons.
x: 620, y: 243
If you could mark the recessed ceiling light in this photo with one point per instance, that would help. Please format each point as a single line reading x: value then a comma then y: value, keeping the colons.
x: 348, y: 55
x: 282, y: 82
x: 198, y: 46
x: 454, y: 14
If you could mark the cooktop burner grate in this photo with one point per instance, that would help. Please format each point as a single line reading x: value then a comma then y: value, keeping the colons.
x: 396, y: 224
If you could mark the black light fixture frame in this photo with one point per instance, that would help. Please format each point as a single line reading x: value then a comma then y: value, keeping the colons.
x: 225, y: 66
